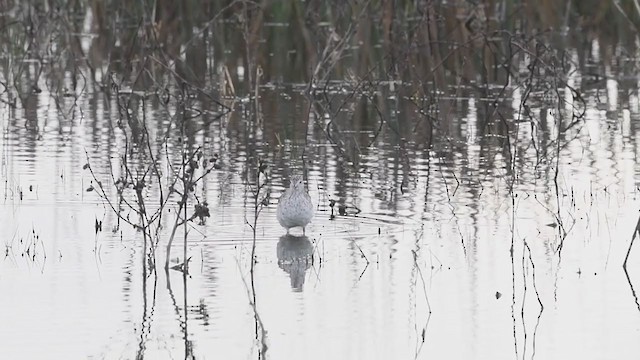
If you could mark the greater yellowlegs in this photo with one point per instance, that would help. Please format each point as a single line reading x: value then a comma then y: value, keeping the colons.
x: 295, y: 207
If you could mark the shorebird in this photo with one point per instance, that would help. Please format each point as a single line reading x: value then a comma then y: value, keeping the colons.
x: 295, y: 207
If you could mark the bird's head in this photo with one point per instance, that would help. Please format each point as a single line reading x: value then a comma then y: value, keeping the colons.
x: 297, y: 182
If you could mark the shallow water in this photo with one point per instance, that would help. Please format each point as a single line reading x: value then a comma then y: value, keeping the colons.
x: 424, y: 269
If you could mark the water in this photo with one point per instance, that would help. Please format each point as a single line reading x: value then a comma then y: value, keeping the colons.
x: 423, y: 270
x: 475, y: 243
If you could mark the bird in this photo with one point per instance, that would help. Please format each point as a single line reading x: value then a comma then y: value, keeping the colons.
x: 294, y: 206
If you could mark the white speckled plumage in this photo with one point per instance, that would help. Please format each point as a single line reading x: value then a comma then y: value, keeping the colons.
x: 295, y: 207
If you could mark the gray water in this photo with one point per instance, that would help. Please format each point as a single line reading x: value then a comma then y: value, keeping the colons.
x: 448, y: 251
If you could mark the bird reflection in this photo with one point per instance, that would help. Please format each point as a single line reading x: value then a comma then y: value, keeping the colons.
x: 295, y: 254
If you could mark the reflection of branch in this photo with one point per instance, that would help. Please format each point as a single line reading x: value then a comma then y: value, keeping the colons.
x: 188, y: 345
x: 535, y: 288
x: 535, y: 332
x: 513, y: 277
x: 366, y: 266
x: 533, y: 275
x: 423, y: 335
x: 633, y: 291
x: 146, y: 318
x: 261, y: 333
x: 424, y: 289
x: 188, y: 348
x: 636, y: 231
x: 361, y: 252
x: 424, y: 285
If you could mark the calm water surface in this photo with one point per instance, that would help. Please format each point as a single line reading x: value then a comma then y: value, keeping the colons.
x: 432, y: 257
